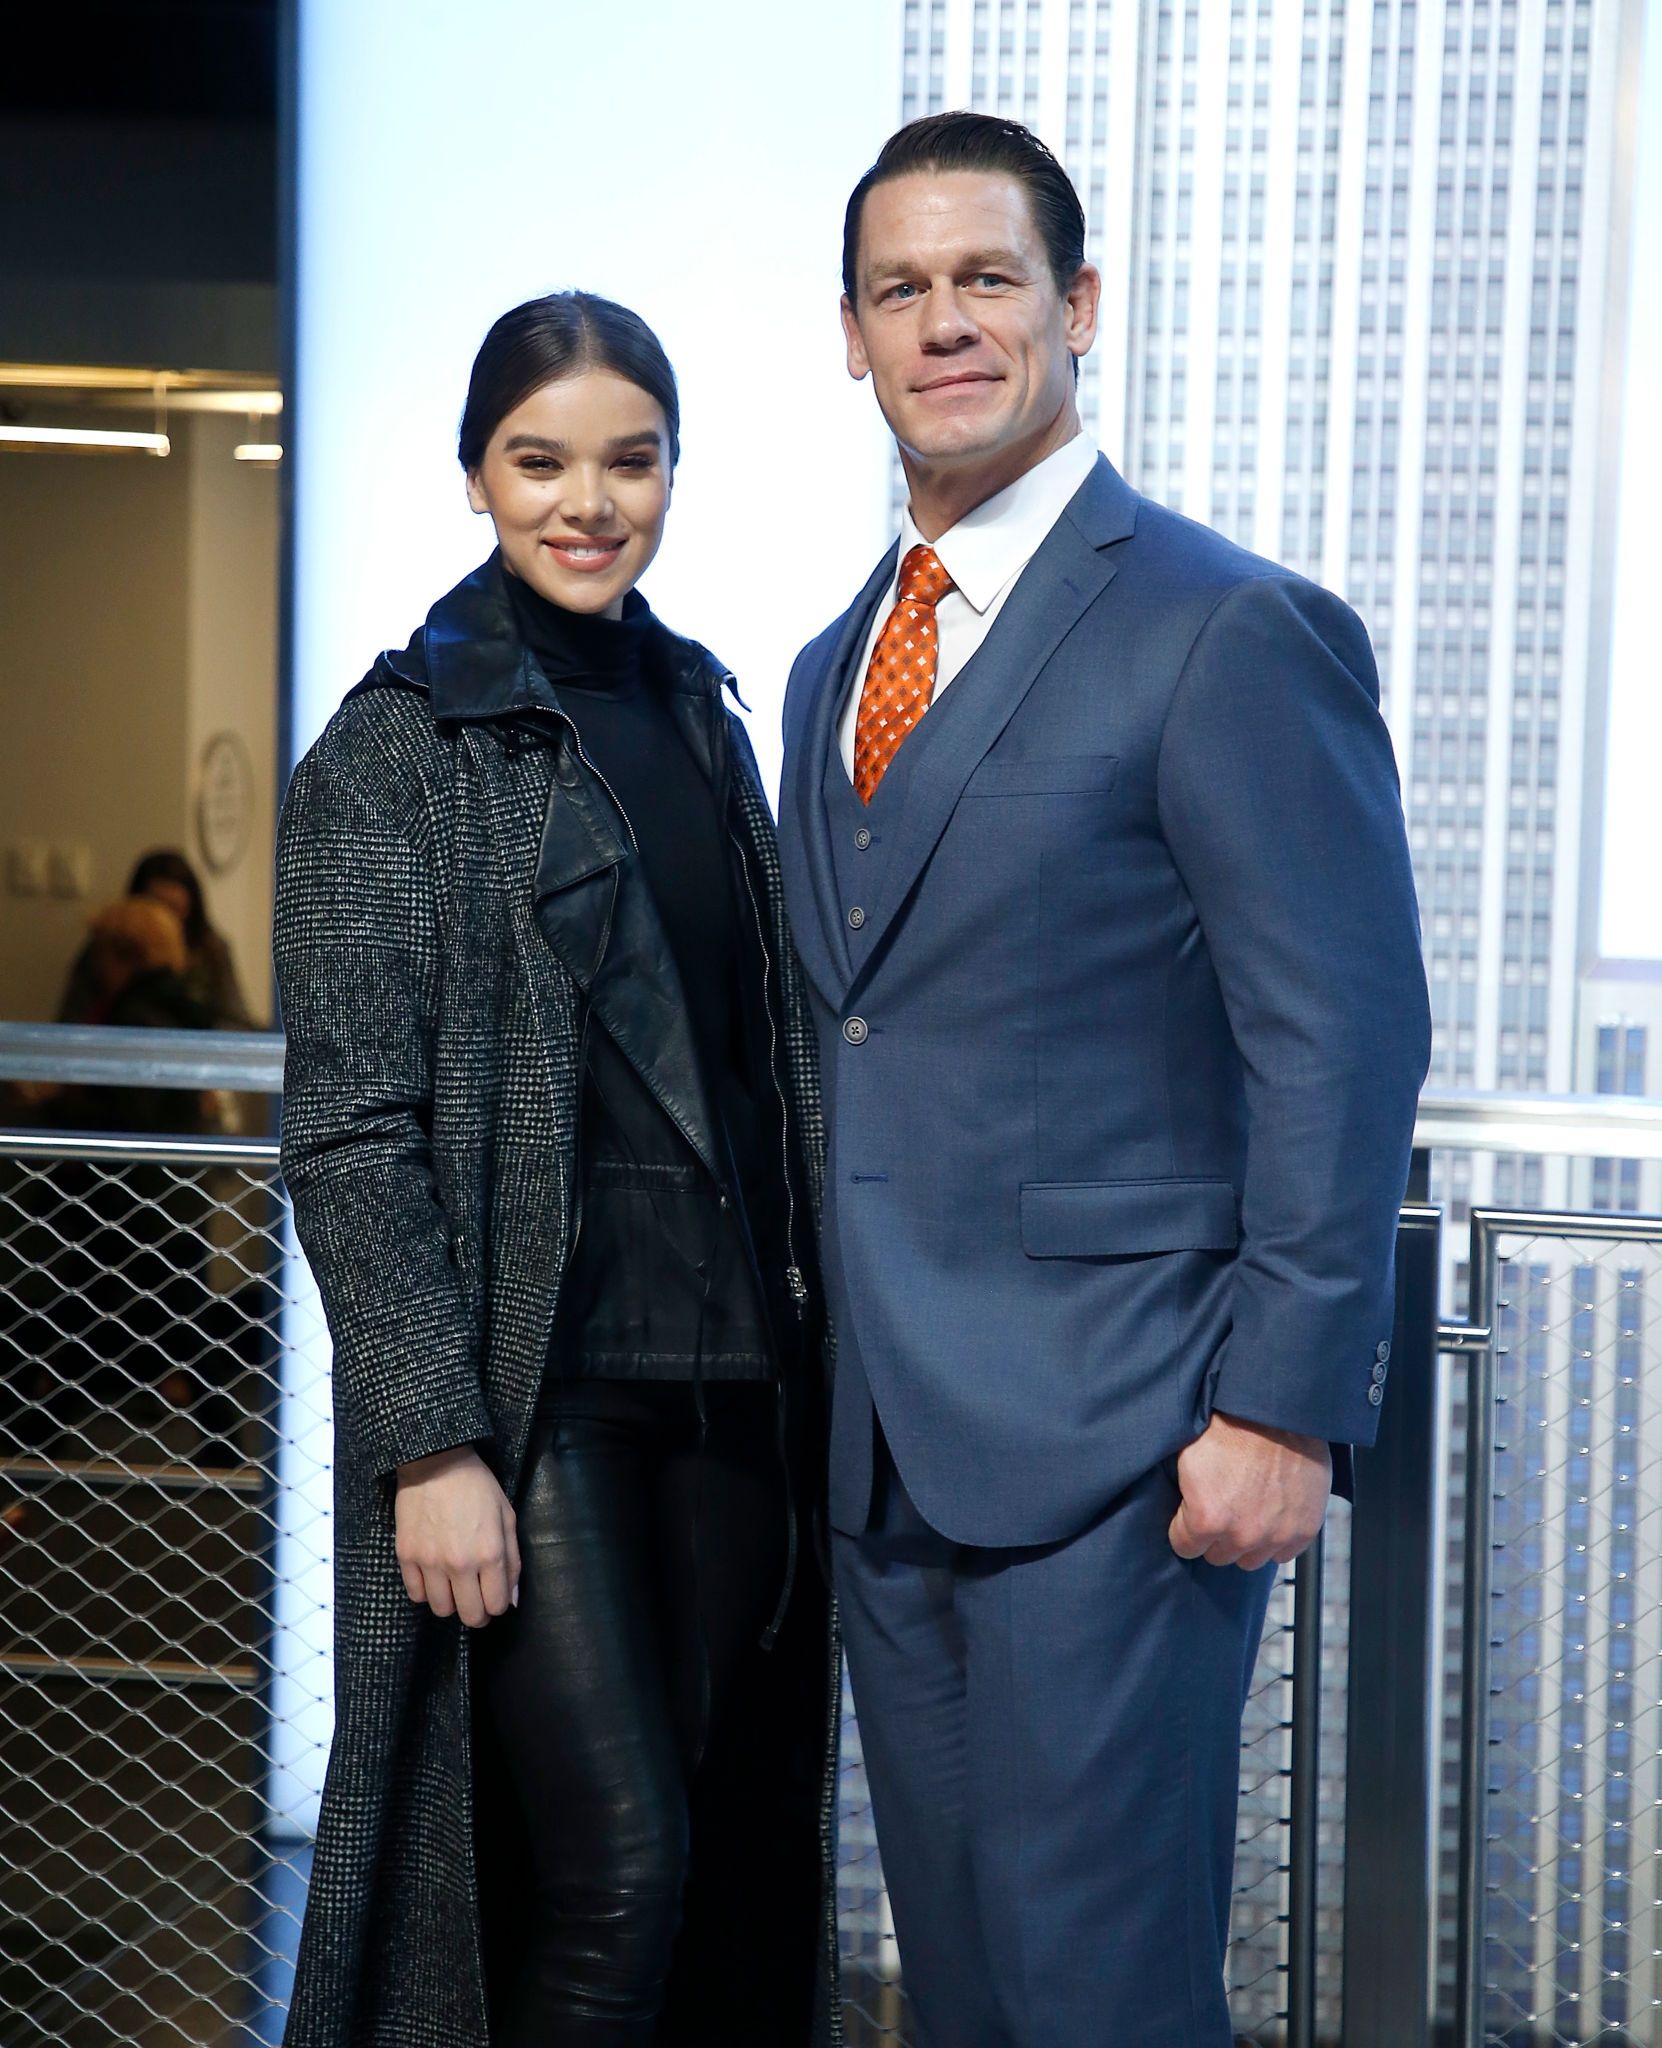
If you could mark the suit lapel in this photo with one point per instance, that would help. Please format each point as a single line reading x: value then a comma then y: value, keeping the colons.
x: 1073, y: 566
x: 805, y: 851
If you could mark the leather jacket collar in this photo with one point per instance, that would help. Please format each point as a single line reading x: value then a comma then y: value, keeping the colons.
x: 471, y: 661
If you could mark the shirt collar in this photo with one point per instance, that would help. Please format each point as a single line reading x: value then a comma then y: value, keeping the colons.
x: 999, y: 538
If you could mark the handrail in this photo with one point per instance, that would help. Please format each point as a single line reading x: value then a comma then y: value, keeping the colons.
x: 94, y: 1055
x: 1580, y: 1126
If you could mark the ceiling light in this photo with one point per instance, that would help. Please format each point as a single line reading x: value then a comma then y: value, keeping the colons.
x: 268, y: 452
x: 84, y: 440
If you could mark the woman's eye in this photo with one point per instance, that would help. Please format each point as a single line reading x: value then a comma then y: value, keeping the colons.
x: 539, y: 465
x: 636, y: 462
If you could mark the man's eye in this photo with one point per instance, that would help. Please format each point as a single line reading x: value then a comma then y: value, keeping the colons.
x: 895, y: 290
x: 991, y: 277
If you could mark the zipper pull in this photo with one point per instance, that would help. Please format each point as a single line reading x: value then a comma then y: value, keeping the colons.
x: 798, y: 1289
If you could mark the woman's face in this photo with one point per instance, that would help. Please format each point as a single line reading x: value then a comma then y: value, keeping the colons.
x: 576, y: 482
x: 174, y: 894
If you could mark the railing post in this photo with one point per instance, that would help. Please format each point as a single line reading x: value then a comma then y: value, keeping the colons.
x: 1303, y: 1825
x: 1477, y: 1626
x: 1391, y: 1740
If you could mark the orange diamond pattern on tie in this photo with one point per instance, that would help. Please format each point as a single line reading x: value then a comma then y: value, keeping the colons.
x: 900, y: 677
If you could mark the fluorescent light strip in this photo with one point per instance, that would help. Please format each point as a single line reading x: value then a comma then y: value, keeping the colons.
x: 85, y: 439
x: 258, y: 451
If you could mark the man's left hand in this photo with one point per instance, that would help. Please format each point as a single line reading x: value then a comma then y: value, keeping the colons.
x: 1250, y: 1493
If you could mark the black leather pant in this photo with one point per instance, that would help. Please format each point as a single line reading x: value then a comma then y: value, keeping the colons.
x: 648, y: 1574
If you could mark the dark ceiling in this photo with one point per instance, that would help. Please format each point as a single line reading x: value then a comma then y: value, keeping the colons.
x: 155, y: 59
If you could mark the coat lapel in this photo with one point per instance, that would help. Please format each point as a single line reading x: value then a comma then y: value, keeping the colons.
x: 805, y: 847
x: 1071, y: 569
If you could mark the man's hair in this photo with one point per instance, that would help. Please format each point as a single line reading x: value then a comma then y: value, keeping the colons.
x: 978, y: 142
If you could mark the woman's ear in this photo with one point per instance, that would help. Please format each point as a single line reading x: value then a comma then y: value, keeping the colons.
x: 476, y: 492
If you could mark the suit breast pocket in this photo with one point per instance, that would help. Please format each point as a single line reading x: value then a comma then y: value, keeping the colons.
x: 1044, y: 775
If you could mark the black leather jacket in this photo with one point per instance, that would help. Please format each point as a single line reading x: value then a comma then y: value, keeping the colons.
x: 692, y: 1243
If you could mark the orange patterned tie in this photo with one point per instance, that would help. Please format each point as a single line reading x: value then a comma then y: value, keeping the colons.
x: 900, y: 678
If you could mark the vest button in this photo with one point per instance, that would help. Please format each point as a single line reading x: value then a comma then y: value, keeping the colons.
x: 856, y: 918
x: 862, y: 838
x: 856, y: 1031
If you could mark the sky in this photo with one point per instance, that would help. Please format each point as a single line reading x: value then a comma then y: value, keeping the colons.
x: 1632, y: 923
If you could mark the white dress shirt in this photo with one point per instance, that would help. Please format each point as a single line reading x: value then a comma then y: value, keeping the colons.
x: 983, y: 554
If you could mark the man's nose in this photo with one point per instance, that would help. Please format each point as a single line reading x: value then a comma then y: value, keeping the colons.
x: 948, y: 322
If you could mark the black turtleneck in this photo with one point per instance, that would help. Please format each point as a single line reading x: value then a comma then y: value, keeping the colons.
x: 602, y: 674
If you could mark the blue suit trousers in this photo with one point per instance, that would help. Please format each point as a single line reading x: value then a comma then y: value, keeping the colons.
x: 1052, y: 1739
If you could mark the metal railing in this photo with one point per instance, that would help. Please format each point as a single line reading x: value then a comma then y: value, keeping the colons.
x: 164, y: 1560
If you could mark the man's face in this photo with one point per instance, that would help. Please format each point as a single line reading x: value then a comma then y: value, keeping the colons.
x: 958, y: 321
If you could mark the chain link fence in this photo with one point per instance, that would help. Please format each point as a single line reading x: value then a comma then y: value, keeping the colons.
x: 164, y: 1620
x: 1570, y: 1934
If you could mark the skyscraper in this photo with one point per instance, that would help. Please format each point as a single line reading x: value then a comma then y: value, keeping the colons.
x: 1365, y: 267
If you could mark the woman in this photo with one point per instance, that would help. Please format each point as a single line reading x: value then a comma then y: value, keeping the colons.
x: 549, y: 1104
x: 209, y: 973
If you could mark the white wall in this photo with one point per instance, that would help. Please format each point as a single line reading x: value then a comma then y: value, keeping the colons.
x: 691, y: 161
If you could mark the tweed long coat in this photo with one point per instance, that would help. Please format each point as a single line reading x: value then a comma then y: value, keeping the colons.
x: 428, y: 1147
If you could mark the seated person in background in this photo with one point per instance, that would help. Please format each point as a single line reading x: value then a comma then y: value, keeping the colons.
x: 208, y: 974
x: 135, y: 973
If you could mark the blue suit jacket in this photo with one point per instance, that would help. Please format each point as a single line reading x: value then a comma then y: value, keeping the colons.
x: 1127, y: 1129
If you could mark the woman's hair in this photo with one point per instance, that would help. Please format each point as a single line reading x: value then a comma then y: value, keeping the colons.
x: 145, y: 933
x: 166, y: 865
x: 554, y: 337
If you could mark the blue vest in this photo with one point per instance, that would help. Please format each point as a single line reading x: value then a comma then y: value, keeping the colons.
x: 861, y: 836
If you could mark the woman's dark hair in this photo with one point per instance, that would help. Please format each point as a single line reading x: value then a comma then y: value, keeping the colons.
x: 559, y: 336
x: 978, y: 142
x: 165, y: 865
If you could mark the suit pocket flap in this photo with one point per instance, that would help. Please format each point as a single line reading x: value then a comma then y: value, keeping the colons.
x: 1110, y: 1218
x: 1044, y: 775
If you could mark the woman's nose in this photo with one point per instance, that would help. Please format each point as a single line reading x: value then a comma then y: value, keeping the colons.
x: 586, y: 497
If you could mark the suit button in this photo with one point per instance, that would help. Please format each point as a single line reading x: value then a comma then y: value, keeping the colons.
x: 1379, y: 1375
x: 856, y: 918
x: 862, y: 838
x: 1382, y: 1351
x: 1376, y: 1394
x: 855, y: 1030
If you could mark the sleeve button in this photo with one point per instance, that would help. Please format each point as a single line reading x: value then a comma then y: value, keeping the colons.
x: 1382, y: 1350
x: 1376, y: 1394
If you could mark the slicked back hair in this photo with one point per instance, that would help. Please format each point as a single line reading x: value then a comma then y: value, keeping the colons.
x: 963, y: 141
x: 546, y: 339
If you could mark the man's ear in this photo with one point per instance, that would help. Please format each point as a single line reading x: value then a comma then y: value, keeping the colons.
x: 1080, y: 309
x: 476, y: 492
x: 859, y: 364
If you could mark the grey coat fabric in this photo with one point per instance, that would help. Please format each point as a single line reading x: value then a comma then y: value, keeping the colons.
x: 428, y: 1147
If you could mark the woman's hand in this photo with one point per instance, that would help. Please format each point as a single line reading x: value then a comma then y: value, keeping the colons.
x: 455, y: 1536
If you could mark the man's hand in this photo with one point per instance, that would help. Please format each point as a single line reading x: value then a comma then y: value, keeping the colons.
x: 455, y: 1536
x: 1250, y: 1493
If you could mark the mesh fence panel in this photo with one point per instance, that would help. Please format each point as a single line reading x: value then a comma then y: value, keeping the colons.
x: 1573, y: 1913
x: 164, y: 1571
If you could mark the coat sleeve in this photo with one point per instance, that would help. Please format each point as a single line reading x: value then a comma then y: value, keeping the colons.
x: 1279, y: 800
x: 356, y: 950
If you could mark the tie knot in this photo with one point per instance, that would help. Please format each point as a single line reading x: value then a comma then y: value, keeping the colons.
x: 922, y: 578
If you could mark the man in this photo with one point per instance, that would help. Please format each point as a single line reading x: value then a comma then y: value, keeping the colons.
x: 1094, y: 851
